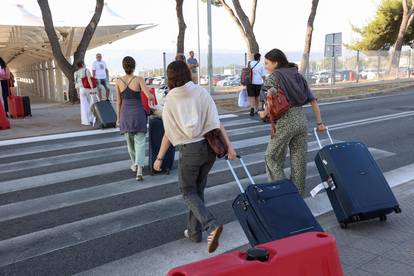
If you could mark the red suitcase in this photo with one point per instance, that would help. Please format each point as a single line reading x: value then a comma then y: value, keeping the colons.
x: 308, y: 254
x: 4, y: 122
x: 145, y: 101
x: 16, y: 109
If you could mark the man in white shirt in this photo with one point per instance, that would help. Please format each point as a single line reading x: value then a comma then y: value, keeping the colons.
x: 100, y: 72
x: 253, y: 90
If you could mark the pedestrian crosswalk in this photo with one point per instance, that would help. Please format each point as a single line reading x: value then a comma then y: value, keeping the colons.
x: 71, y: 205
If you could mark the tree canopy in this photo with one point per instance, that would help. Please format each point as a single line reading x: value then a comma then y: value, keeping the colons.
x: 382, y: 31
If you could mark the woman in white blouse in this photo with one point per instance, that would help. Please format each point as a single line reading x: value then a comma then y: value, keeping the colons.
x: 189, y: 113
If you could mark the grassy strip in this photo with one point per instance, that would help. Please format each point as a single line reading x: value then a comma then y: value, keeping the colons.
x: 230, y: 105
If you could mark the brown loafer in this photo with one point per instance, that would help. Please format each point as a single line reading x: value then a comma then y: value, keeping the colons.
x: 213, y: 239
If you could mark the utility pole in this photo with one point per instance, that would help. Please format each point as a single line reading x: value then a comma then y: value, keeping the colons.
x: 210, y: 49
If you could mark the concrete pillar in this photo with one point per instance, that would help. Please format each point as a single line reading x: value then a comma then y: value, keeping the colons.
x: 59, y: 84
x: 46, y: 94
x: 38, y: 80
x: 33, y: 79
x: 51, y: 75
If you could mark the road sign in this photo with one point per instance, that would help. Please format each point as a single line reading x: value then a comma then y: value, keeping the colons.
x: 333, y: 45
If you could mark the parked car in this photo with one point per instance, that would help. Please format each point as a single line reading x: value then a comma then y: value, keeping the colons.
x: 148, y: 80
x: 204, y: 80
x: 370, y: 74
x: 160, y: 93
x: 216, y: 79
x: 230, y: 80
x: 322, y: 77
x: 158, y: 81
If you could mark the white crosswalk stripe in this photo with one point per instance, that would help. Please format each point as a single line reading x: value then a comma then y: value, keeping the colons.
x: 62, y: 195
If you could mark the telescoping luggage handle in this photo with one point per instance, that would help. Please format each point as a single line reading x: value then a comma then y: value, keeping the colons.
x: 329, y: 183
x: 235, y: 175
x: 315, y: 131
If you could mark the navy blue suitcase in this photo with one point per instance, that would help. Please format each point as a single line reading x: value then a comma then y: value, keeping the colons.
x: 155, y: 135
x: 272, y: 211
x: 355, y: 184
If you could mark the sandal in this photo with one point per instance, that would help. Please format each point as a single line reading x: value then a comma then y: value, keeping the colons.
x: 213, y: 239
x: 140, y: 176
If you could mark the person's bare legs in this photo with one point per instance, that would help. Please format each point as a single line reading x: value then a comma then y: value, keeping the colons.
x: 252, y: 104
x: 256, y: 103
x: 107, y: 94
x: 100, y: 94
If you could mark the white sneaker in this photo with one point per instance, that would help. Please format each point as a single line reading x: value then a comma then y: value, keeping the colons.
x: 134, y: 168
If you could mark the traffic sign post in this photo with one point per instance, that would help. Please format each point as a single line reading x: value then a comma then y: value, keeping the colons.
x: 333, y: 49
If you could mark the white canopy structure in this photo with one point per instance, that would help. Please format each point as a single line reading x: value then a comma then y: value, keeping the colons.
x: 25, y: 47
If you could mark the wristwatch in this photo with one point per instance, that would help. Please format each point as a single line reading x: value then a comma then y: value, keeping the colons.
x: 319, y: 124
x: 160, y: 159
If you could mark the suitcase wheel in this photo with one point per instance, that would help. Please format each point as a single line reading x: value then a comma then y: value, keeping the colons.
x: 397, y: 210
x: 356, y: 218
x: 383, y: 218
x: 343, y: 225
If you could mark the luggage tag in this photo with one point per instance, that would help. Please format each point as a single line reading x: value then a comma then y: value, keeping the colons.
x: 329, y: 184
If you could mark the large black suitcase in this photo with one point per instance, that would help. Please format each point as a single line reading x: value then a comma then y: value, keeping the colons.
x: 271, y: 211
x: 355, y: 184
x: 155, y: 135
x: 26, y: 106
x: 105, y: 114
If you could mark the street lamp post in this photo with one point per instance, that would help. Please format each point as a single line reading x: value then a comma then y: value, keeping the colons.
x: 210, y: 49
x: 198, y: 37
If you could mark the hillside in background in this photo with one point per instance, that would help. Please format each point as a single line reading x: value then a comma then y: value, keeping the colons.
x: 152, y: 59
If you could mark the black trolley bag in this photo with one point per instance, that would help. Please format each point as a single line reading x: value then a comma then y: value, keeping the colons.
x: 26, y: 106
x: 355, y: 184
x: 155, y: 135
x: 271, y: 211
x: 105, y: 114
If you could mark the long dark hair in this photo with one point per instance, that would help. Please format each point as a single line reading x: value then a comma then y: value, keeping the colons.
x: 178, y: 74
x: 278, y: 56
x: 2, y: 63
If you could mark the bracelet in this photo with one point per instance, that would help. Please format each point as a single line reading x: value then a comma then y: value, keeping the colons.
x: 160, y: 159
x: 319, y: 124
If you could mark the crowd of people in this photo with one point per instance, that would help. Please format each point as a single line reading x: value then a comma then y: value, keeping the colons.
x: 189, y: 112
x: 88, y: 94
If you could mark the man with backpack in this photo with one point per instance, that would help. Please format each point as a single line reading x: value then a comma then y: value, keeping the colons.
x: 254, y: 81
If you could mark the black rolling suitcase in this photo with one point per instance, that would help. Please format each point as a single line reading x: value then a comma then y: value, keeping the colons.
x: 355, y: 184
x: 105, y: 114
x: 271, y: 211
x: 155, y: 135
x: 26, y: 106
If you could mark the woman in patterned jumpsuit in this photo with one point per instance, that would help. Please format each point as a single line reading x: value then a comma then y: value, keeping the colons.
x: 292, y: 127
